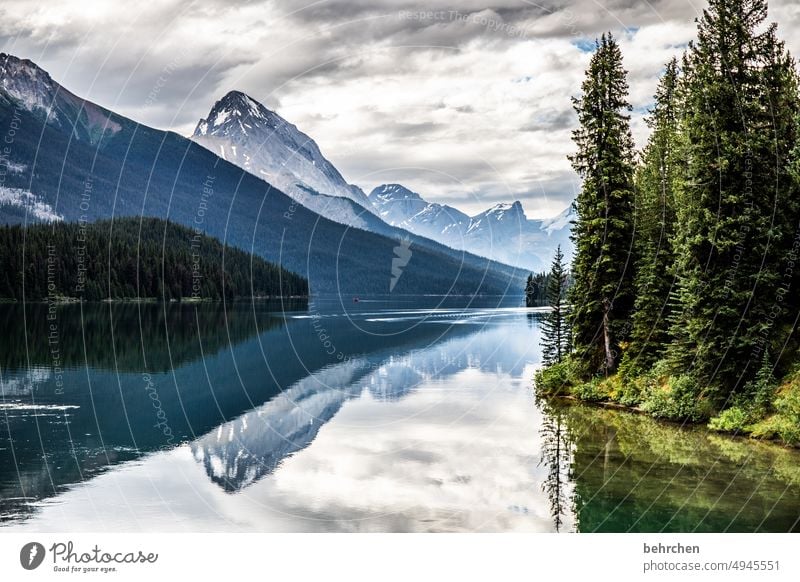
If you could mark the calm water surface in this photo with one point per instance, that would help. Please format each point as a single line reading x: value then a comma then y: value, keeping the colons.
x: 377, y: 416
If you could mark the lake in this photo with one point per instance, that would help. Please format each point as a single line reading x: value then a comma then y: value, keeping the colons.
x: 413, y: 414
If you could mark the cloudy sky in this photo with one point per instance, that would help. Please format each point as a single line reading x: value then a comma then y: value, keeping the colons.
x: 466, y: 102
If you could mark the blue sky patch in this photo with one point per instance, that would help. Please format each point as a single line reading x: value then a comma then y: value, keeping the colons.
x: 585, y: 45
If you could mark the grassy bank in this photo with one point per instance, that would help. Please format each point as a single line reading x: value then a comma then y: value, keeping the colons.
x: 772, y: 413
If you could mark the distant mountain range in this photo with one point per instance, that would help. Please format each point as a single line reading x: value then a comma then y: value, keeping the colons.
x: 246, y: 133
x: 72, y: 160
x: 502, y: 232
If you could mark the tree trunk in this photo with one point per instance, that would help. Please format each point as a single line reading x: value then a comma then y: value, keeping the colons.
x: 609, y: 364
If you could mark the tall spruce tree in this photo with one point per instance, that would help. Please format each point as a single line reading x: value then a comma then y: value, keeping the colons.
x: 783, y: 98
x: 655, y: 219
x: 555, y: 328
x: 602, y: 294
x: 735, y: 212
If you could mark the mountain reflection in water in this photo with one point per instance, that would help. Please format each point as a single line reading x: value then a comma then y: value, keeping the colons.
x: 403, y: 416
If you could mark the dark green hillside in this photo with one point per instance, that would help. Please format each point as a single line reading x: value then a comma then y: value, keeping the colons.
x: 132, y: 257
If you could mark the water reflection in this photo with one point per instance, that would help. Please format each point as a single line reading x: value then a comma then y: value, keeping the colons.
x: 242, y: 451
x: 126, y: 336
x: 149, y: 377
x: 370, y: 417
x: 557, y: 454
x: 632, y: 473
x: 81, y: 386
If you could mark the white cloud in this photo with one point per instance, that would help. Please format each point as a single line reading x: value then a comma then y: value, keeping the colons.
x: 468, y: 107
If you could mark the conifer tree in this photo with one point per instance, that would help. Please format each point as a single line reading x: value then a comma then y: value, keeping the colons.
x: 655, y: 219
x: 555, y: 328
x: 602, y: 295
x: 734, y: 204
x: 536, y: 289
x: 530, y: 291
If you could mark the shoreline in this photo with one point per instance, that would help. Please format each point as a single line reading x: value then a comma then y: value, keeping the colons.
x: 684, y: 424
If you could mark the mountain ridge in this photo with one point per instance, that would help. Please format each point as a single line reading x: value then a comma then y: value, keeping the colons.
x: 243, y: 131
x: 141, y: 171
x: 35, y: 90
x: 502, y: 232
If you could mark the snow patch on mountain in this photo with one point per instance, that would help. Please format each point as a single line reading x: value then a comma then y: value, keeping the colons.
x: 11, y: 167
x: 558, y: 223
x: 25, y: 200
x: 28, y: 84
x: 401, y: 207
x: 508, y: 214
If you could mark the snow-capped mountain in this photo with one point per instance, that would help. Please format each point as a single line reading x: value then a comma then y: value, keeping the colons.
x: 243, y: 131
x: 26, y: 88
x: 74, y: 160
x: 401, y: 207
x: 560, y: 222
x: 503, y: 232
x: 500, y: 216
x: 395, y: 203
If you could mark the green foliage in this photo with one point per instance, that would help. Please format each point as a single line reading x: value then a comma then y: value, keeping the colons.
x: 676, y: 398
x: 630, y: 390
x: 595, y: 390
x: 557, y: 379
x: 752, y: 405
x: 735, y: 419
x: 739, y: 102
x: 556, y: 336
x: 655, y: 225
x: 536, y: 290
x: 779, y: 427
x: 132, y: 258
x: 761, y: 390
x: 784, y: 422
x: 787, y: 404
x: 717, y: 223
x: 602, y: 294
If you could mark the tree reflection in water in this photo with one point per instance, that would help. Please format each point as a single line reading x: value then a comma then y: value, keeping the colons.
x: 556, y: 456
